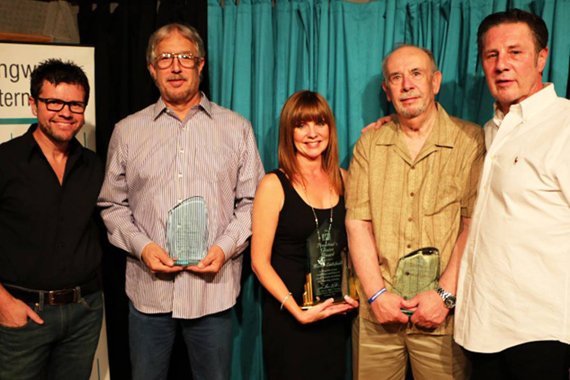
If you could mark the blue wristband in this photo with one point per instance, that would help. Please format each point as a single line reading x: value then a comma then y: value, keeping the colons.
x: 376, y: 295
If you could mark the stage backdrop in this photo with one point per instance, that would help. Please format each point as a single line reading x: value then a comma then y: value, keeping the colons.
x: 262, y: 51
x: 16, y: 64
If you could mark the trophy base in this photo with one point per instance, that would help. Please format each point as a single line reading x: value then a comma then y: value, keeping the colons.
x: 186, y: 262
x: 337, y: 301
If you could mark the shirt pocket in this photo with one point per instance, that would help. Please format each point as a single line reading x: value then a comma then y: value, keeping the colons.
x: 445, y: 195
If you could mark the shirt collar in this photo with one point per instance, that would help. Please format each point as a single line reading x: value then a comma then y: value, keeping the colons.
x: 31, y: 146
x: 30, y: 143
x: 205, y: 104
x: 529, y: 107
x: 439, y: 136
x: 160, y: 107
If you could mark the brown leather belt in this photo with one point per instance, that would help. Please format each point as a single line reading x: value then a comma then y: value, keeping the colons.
x: 54, y: 297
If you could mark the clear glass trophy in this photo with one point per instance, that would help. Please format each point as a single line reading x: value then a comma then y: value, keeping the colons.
x: 416, y: 272
x: 327, y: 272
x: 187, y: 231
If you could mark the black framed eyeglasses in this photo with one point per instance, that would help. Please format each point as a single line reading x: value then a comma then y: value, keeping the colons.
x: 56, y: 105
x: 165, y: 60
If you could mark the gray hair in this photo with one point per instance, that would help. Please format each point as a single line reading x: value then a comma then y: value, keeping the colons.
x: 160, y: 34
x: 385, y: 60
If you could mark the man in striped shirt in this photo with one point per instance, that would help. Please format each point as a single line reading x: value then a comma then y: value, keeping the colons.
x: 182, y: 146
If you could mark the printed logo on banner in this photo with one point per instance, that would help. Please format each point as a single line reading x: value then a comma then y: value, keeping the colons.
x: 17, y: 61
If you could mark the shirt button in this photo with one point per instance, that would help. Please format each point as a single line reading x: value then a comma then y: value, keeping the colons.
x: 410, y: 219
x: 412, y: 194
x: 61, y: 244
x: 179, y: 175
x: 409, y: 246
x: 413, y: 168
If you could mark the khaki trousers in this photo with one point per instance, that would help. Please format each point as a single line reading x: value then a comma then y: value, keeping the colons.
x: 381, y: 353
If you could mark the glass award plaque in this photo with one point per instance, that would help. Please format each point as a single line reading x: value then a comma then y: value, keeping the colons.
x: 187, y: 231
x: 416, y: 272
x: 328, y: 274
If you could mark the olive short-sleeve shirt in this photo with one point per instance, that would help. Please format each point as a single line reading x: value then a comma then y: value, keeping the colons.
x: 415, y: 204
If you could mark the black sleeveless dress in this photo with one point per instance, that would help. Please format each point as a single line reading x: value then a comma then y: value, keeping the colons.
x: 291, y: 350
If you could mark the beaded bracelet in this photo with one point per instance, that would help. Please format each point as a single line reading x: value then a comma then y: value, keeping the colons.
x: 376, y: 295
x: 284, y: 299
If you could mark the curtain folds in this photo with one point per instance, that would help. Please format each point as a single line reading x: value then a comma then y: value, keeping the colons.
x: 259, y: 53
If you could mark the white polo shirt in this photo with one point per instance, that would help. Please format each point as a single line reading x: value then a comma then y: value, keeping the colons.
x: 514, y: 281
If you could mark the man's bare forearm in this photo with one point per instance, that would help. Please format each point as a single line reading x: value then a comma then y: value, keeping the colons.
x: 364, y: 255
x: 448, y: 280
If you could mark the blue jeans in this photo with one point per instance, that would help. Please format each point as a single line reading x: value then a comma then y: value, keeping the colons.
x: 62, y: 348
x: 208, y: 341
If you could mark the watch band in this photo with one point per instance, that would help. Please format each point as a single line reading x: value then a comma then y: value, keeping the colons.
x: 448, y: 298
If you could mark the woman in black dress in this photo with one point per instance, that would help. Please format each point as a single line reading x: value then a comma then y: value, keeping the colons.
x: 306, y: 191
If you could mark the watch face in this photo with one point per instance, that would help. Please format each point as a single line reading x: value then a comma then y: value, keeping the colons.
x: 450, y: 302
x: 448, y: 298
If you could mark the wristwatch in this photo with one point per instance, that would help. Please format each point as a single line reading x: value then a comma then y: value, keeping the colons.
x: 448, y: 298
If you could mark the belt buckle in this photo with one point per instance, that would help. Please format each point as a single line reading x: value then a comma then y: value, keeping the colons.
x: 61, y: 297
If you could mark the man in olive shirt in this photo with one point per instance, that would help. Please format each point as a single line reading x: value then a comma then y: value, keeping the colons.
x: 412, y: 184
x: 51, y: 305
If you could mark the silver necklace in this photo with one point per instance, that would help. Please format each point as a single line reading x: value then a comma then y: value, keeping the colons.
x: 321, y: 259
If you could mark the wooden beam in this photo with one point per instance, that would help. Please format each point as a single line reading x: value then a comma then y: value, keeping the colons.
x: 23, y: 37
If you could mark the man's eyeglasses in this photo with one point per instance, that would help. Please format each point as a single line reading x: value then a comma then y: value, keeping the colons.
x: 56, y: 105
x: 165, y: 60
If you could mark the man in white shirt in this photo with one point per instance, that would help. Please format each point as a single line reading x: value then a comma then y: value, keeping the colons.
x: 514, y: 285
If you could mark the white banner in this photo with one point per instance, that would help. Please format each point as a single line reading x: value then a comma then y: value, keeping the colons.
x: 17, y: 61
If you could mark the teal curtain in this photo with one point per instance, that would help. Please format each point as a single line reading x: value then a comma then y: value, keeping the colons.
x: 260, y: 52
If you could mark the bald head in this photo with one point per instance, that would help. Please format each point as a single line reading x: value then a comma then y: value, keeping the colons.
x: 411, y: 81
x: 408, y: 47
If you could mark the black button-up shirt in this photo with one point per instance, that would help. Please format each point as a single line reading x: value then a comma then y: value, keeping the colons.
x: 48, y: 234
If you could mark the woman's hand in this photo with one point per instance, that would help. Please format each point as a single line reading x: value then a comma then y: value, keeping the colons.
x: 326, y: 309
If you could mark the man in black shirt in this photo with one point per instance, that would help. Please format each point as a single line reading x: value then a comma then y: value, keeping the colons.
x: 51, y: 305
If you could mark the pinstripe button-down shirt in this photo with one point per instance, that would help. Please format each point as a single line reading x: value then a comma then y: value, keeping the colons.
x: 154, y: 162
